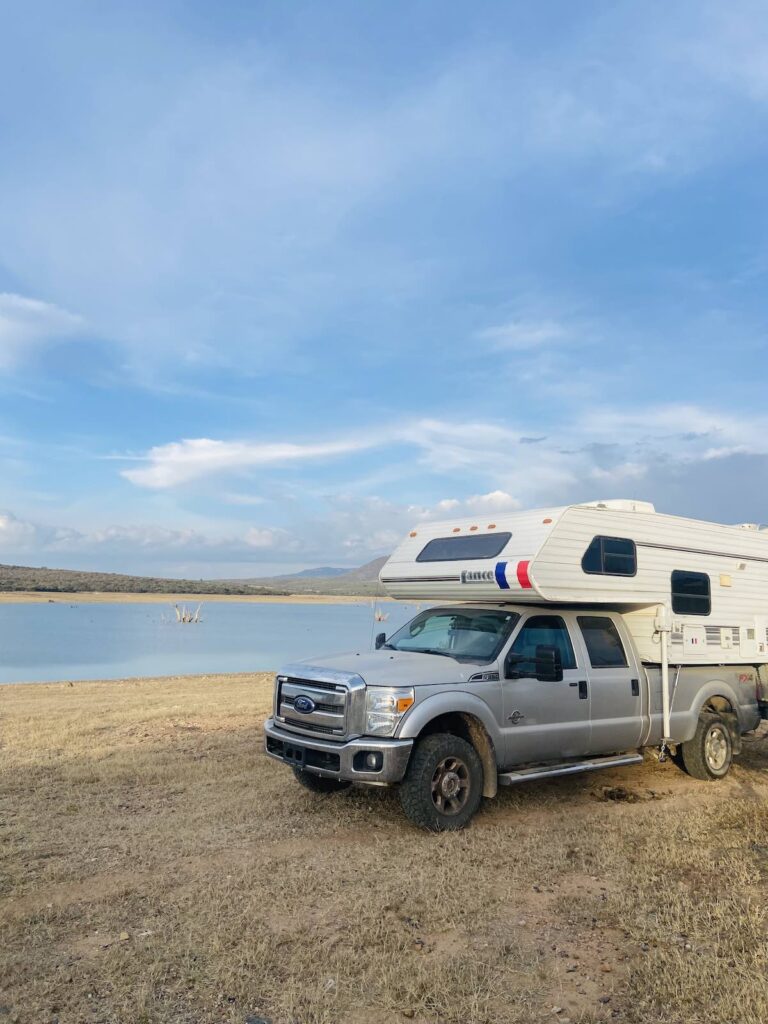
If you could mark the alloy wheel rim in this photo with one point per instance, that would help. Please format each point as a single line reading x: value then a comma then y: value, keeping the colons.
x: 450, y: 786
x: 716, y: 748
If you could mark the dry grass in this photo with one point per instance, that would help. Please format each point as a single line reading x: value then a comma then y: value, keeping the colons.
x: 148, y: 810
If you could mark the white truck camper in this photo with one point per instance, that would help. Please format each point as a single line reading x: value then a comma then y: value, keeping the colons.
x: 560, y: 640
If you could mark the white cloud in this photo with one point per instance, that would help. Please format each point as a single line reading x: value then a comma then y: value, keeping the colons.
x: 494, y: 501
x: 170, y: 465
x: 28, y: 323
x: 15, y: 534
x: 260, y: 539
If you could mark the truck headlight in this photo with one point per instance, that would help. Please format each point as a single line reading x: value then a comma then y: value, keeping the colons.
x: 384, y: 707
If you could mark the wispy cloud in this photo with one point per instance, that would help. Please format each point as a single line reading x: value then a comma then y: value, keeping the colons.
x: 517, y: 335
x: 19, y: 535
x: 170, y: 465
x: 26, y: 324
x: 604, y: 445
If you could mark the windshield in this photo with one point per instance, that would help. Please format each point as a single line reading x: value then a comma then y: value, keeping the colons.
x: 467, y: 634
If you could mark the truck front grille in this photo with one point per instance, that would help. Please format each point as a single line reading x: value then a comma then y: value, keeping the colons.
x: 332, y: 708
x: 327, y: 730
x: 329, y: 705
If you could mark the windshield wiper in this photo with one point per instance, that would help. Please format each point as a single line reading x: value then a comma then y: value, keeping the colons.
x: 434, y: 650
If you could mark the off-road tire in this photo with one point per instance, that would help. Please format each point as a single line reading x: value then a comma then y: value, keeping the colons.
x: 319, y: 783
x: 709, y: 755
x: 444, y: 761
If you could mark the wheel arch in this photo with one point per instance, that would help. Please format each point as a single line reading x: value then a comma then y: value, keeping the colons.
x: 462, y: 715
x: 719, y: 698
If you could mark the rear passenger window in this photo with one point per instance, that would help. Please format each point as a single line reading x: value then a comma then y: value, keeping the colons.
x: 610, y: 556
x: 604, y: 645
x: 691, y: 593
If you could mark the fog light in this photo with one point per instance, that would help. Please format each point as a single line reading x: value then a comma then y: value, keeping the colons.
x: 373, y: 761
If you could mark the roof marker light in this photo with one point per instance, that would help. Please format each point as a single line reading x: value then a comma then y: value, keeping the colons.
x: 491, y: 526
x: 546, y: 521
x: 412, y: 533
x: 472, y: 528
x: 457, y: 529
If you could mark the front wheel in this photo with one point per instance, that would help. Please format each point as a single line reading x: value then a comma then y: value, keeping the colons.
x: 709, y: 755
x: 319, y: 783
x: 443, y: 785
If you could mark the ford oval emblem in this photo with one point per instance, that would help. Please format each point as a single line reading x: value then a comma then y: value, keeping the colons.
x: 304, y: 705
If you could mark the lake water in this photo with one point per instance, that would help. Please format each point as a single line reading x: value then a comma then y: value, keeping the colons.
x: 61, y: 641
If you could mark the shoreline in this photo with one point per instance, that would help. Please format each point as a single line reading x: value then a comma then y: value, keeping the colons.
x: 183, y: 678
x: 113, y: 597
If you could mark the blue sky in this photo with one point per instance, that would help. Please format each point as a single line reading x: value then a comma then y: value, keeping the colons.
x: 279, y: 280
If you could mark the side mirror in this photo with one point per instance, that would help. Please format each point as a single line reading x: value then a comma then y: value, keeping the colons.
x: 381, y: 639
x: 549, y: 664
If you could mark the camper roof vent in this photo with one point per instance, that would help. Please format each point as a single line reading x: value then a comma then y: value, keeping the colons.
x: 622, y: 505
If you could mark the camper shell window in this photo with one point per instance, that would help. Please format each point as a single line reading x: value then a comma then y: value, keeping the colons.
x: 610, y: 556
x: 455, y: 549
x: 691, y: 594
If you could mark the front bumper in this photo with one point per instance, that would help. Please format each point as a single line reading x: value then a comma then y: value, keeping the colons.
x: 338, y: 760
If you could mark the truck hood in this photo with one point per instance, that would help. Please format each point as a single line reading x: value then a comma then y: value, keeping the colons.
x: 397, y: 668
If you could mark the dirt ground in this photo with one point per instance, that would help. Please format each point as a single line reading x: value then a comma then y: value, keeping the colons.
x: 155, y: 866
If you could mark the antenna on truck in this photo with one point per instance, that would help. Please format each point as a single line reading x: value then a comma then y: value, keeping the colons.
x: 378, y: 615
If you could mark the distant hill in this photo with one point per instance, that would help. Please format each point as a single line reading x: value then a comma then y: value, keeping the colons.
x: 369, y: 571
x: 325, y: 580
x: 363, y: 581
x: 68, y: 581
x: 324, y: 572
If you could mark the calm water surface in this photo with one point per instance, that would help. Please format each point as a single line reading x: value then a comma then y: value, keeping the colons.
x: 45, y: 642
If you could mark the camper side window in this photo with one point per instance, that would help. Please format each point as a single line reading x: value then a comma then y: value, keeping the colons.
x: 455, y: 549
x: 603, y: 642
x: 691, y: 593
x: 610, y: 556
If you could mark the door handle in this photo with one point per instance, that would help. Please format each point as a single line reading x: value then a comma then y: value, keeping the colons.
x: 635, y: 684
x: 582, y: 689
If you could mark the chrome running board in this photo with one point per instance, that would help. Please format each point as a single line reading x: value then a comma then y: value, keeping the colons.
x: 546, y: 771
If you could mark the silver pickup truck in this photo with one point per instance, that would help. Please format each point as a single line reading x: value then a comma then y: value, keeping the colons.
x: 464, y: 699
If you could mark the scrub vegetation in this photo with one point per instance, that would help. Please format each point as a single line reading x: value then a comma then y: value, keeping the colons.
x: 21, y: 578
x: 17, y: 579
x: 156, y: 866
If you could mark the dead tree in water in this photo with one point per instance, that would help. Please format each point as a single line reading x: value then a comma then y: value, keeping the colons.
x: 185, y: 615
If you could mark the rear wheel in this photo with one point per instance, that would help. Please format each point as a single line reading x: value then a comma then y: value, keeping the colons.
x: 443, y: 786
x: 709, y: 755
x: 318, y: 783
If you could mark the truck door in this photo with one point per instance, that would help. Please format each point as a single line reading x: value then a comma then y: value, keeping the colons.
x: 544, y: 720
x: 614, y: 685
